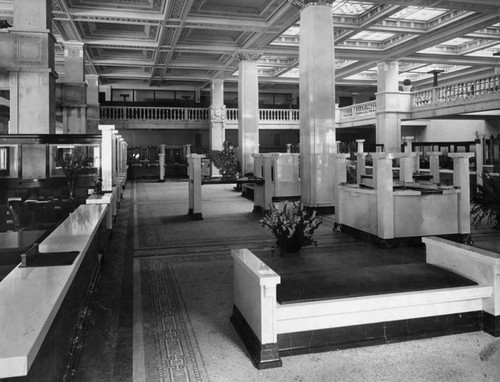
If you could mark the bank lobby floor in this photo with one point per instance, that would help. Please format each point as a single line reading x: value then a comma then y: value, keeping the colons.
x: 164, y: 299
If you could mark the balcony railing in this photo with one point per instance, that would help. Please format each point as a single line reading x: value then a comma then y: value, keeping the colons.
x: 147, y: 113
x: 144, y: 113
x: 457, y: 92
x: 360, y: 110
x: 269, y: 115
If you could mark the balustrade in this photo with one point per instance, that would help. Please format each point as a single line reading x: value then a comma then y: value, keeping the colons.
x: 232, y: 115
x: 458, y: 91
x: 365, y: 109
x: 153, y: 113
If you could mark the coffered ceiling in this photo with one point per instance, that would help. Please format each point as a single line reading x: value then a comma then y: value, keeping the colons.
x: 186, y: 43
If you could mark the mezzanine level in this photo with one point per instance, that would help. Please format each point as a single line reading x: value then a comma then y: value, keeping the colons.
x: 474, y: 95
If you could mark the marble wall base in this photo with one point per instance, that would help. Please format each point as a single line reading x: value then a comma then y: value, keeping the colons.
x: 377, y: 333
x: 263, y: 356
x: 315, y: 341
x: 491, y: 324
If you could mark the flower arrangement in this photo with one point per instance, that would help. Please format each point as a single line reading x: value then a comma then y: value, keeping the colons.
x: 225, y: 160
x: 97, y: 185
x: 293, y: 226
x: 72, y: 166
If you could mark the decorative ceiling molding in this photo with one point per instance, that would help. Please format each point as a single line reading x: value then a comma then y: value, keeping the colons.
x: 192, y: 40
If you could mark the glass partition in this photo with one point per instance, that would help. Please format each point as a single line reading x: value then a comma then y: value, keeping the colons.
x: 75, y: 153
x: 4, y: 164
x: 9, y: 162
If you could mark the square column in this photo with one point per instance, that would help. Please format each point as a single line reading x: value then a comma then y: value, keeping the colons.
x: 74, y: 89
x: 31, y: 67
x: 317, y: 105
x: 161, y: 162
x: 194, y: 186
x: 434, y: 166
x: 340, y: 177
x: 216, y: 136
x: 248, y: 111
x: 382, y: 174
x: 461, y: 180
x: 107, y: 163
x: 93, y: 117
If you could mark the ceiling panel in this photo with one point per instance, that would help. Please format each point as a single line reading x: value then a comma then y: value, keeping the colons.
x: 162, y: 43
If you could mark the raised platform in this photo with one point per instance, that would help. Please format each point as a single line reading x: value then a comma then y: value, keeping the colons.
x: 315, y: 310
x: 367, y: 281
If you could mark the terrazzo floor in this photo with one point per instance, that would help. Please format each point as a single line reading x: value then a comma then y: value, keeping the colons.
x: 152, y: 228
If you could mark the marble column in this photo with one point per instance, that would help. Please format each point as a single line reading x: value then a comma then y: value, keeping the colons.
x: 217, y: 118
x: 248, y: 111
x: 388, y: 127
x: 317, y: 105
x: 32, y: 75
x: 93, y: 117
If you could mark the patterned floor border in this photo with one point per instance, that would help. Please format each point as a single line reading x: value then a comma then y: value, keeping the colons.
x: 163, y: 329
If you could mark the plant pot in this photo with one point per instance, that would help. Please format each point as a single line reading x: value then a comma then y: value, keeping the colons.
x: 292, y: 244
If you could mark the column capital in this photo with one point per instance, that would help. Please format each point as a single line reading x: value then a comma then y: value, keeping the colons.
x: 73, y: 49
x: 106, y: 127
x: 386, y: 65
x: 93, y: 77
x: 73, y: 43
x: 303, y: 4
x: 250, y: 56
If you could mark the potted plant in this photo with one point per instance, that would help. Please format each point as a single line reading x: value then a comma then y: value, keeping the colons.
x: 486, y: 201
x: 226, y: 161
x: 73, y: 166
x: 292, y: 224
x: 407, y: 85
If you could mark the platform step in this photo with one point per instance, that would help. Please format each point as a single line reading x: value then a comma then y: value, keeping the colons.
x: 322, y: 314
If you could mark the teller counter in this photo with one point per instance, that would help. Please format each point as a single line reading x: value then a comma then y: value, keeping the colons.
x: 40, y: 305
x: 410, y: 212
